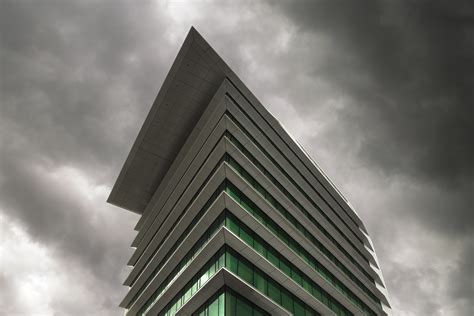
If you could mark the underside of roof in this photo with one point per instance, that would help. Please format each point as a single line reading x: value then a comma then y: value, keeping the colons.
x: 195, y: 76
x: 189, y: 86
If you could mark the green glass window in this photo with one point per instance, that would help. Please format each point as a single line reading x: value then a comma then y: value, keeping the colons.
x: 276, y: 164
x: 258, y: 313
x: 232, y: 225
x: 198, y: 216
x: 231, y: 305
x: 306, y: 285
x: 273, y: 259
x: 245, y: 272
x: 274, y: 292
x: 298, y: 308
x: 201, y: 242
x: 232, y: 263
x: 222, y: 304
x: 286, y: 301
x: 285, y: 267
x: 234, y: 304
x: 183, y: 263
x: 243, y: 309
x: 225, y: 302
x: 246, y: 206
x: 246, y: 237
x: 271, y: 200
x: 233, y: 195
x: 296, y: 276
x: 255, y: 212
x: 186, y: 293
x: 272, y: 256
x: 259, y: 247
x: 214, y: 308
x: 260, y: 283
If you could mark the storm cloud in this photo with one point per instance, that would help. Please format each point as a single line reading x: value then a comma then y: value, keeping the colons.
x: 378, y: 92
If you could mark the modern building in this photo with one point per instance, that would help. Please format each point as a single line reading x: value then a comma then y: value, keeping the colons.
x: 236, y: 219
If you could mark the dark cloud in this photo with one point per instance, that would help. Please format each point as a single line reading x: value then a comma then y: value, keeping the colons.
x: 462, y: 286
x: 55, y: 215
x: 406, y: 68
x: 77, y: 79
x: 80, y: 77
x: 377, y: 90
x: 402, y: 71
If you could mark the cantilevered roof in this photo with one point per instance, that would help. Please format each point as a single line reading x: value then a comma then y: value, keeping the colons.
x: 190, y: 84
x: 192, y: 81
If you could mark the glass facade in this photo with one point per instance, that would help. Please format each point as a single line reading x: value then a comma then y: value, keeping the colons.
x: 182, y: 265
x: 246, y: 176
x: 256, y: 243
x: 296, y: 203
x: 248, y: 205
x: 178, y: 242
x: 274, y: 257
x: 289, y: 161
x: 226, y: 302
x: 227, y: 258
x: 288, y: 268
x: 215, y: 306
x: 263, y: 192
x: 196, y: 194
x: 235, y: 216
x: 246, y: 236
x: 266, y: 285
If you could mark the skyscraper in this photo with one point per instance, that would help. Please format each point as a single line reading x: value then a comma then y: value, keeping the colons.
x: 236, y: 219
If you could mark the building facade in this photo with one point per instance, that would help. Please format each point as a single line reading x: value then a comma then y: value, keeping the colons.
x: 236, y: 219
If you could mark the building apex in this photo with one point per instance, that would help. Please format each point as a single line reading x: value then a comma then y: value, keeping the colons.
x: 188, y: 87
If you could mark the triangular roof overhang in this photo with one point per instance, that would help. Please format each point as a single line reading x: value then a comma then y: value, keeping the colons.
x: 193, y: 79
x: 196, y: 74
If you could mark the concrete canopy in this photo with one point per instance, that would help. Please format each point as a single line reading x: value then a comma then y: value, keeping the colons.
x: 190, y: 84
x: 195, y: 76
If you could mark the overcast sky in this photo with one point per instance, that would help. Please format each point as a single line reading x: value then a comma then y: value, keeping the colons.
x: 378, y: 92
